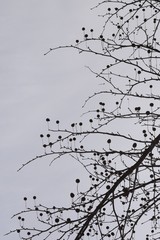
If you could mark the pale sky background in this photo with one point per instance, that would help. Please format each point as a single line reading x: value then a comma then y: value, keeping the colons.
x: 33, y: 87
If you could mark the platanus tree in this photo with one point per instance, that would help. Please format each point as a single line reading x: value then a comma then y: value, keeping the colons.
x: 119, y: 146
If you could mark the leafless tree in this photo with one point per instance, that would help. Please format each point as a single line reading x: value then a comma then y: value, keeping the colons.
x: 119, y: 147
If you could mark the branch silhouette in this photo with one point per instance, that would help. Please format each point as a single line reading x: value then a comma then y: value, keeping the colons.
x: 117, y: 139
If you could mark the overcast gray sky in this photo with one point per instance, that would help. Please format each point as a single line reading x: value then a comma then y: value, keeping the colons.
x: 33, y: 87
